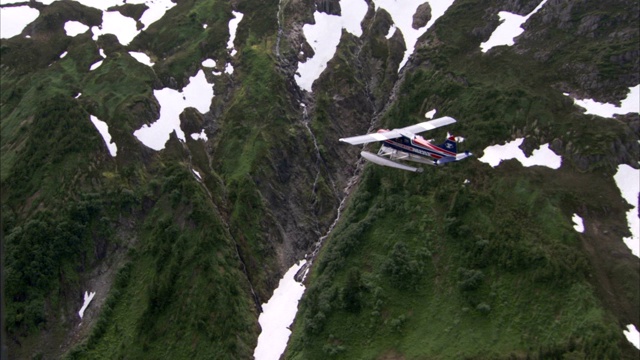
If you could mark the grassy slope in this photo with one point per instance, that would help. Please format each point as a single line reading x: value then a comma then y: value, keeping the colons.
x: 182, y: 291
x: 487, y: 270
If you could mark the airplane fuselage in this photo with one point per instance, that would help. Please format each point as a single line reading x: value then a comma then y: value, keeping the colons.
x: 412, y: 147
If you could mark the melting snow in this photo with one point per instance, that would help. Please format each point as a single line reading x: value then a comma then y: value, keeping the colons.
x: 157, y: 9
x: 508, y: 29
x: 392, y: 31
x: 543, y: 156
x: 352, y: 14
x: 197, y: 94
x: 402, y: 14
x: 74, y: 28
x: 14, y: 19
x: 95, y: 65
x: 233, y: 27
x: 630, y: 104
x: 227, y: 69
x: 202, y: 135
x: 210, y: 63
x: 429, y: 114
x: 578, y: 224
x: 632, y: 335
x: 124, y: 28
x: 324, y: 37
x: 278, y: 314
x: 628, y: 181
x: 141, y: 57
x: 103, y: 128
x: 63, y: 54
x: 87, y: 299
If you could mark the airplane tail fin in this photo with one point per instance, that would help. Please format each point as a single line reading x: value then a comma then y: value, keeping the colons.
x: 450, y: 144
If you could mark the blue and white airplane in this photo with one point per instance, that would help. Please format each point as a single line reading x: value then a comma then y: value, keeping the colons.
x: 404, y: 145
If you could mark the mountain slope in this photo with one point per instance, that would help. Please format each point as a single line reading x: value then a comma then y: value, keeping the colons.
x: 183, y: 244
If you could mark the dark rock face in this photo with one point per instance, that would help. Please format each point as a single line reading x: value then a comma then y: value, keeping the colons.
x: 422, y: 16
x: 331, y: 7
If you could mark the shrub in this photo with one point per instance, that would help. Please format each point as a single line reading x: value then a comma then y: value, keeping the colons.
x: 403, y: 269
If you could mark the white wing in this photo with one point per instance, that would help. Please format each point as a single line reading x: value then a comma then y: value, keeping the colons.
x: 363, y: 139
x: 409, y: 130
x: 429, y: 125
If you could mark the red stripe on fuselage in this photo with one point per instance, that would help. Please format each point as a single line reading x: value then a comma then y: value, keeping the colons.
x: 437, y: 153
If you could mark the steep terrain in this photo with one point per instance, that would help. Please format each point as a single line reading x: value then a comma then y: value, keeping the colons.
x: 183, y: 244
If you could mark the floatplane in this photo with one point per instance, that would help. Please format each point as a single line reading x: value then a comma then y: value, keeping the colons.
x: 405, y: 145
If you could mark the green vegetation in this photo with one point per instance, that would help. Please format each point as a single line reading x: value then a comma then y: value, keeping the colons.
x: 419, y: 266
x: 181, y: 293
x: 422, y: 266
x: 499, y: 270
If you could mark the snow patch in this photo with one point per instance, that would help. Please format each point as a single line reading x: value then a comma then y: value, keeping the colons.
x: 510, y: 28
x: 200, y: 136
x: 628, y: 181
x: 157, y: 9
x: 197, y: 94
x: 233, y: 27
x: 430, y: 114
x: 632, y: 335
x: 141, y: 57
x: 63, y: 54
x: 631, y: 104
x: 95, y: 65
x: 210, y: 63
x: 87, y: 299
x: 124, y: 28
x: 392, y: 30
x: 228, y: 69
x: 197, y: 174
x: 103, y: 129
x: 278, y: 314
x: 13, y: 20
x: 543, y: 156
x: 402, y: 14
x: 578, y: 224
x: 75, y: 28
x: 324, y: 37
x: 353, y: 13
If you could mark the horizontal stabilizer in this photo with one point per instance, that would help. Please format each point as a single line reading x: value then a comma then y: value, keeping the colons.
x: 458, y: 157
x: 386, y: 162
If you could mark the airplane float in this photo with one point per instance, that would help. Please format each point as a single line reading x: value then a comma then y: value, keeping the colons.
x: 405, y: 145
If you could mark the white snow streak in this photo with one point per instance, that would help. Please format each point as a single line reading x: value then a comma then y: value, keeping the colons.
x: 87, y: 299
x: 631, y: 104
x: 141, y: 57
x: 402, y: 14
x: 510, y: 27
x: 628, y: 181
x: 543, y: 156
x: 632, y: 335
x: 233, y: 27
x: 75, y: 28
x: 578, y: 224
x: 197, y: 94
x: 278, y: 314
x: 103, y: 129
